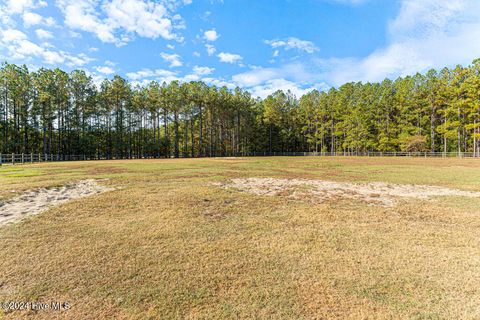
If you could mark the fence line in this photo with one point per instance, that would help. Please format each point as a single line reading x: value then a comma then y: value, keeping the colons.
x: 372, y: 154
x: 22, y: 158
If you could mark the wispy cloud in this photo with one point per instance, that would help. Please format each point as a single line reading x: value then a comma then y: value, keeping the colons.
x: 174, y: 59
x: 203, y: 70
x: 264, y: 81
x: 229, y: 57
x: 293, y: 43
x: 149, y: 73
x: 43, y: 34
x: 20, y: 47
x: 106, y: 70
x: 210, y: 49
x: 425, y: 34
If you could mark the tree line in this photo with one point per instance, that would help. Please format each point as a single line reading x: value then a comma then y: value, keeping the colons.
x: 55, y: 112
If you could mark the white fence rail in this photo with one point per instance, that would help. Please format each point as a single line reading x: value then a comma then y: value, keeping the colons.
x: 22, y: 158
x: 370, y: 154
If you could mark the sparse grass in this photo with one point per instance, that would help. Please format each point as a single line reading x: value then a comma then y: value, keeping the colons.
x: 168, y: 244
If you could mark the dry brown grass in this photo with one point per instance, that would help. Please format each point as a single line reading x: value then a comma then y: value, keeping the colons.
x: 170, y: 245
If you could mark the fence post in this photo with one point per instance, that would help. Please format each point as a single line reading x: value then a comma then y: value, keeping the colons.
x: 23, y: 158
x: 31, y: 157
x: 13, y: 158
x: 1, y: 160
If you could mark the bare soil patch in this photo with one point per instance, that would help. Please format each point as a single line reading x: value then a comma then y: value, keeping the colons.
x: 106, y: 170
x: 37, y: 201
x: 376, y: 193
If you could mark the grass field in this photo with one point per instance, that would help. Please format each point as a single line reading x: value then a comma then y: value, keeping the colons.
x: 169, y: 243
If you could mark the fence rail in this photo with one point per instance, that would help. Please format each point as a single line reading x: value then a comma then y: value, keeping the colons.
x: 22, y: 158
x: 371, y: 154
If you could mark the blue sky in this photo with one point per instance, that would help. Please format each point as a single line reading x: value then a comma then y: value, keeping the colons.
x: 261, y: 45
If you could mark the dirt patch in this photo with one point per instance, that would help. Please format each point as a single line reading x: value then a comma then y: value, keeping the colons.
x: 37, y: 201
x: 106, y: 170
x: 376, y: 193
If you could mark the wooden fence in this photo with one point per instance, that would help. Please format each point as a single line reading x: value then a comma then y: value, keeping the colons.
x: 370, y: 154
x: 22, y: 158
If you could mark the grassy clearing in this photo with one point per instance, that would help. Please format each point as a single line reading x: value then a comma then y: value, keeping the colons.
x: 168, y: 244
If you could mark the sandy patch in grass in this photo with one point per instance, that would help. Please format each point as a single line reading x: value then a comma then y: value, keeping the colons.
x: 37, y: 201
x: 376, y: 193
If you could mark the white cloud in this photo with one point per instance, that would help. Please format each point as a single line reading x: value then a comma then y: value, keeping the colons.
x: 19, y: 47
x: 144, y: 76
x: 12, y: 35
x: 229, y: 57
x: 264, y: 81
x: 219, y: 82
x: 147, y: 19
x: 265, y: 84
x: 82, y: 15
x: 148, y: 73
x: 10, y: 8
x: 78, y: 60
x: 179, y: 22
x: 105, y: 70
x: 173, y: 59
x: 31, y: 19
x: 116, y: 21
x: 49, y: 21
x: 43, y: 34
x: 293, y: 43
x: 296, y: 72
x: 97, y: 79
x: 425, y: 34
x: 256, y: 77
x: 202, y: 71
x: 211, y: 35
x: 273, y: 85
x: 190, y: 77
x: 210, y: 49
x: 19, y: 6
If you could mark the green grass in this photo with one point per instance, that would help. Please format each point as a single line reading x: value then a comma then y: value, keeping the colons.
x: 169, y: 244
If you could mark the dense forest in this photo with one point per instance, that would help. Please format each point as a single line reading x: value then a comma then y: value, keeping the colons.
x: 54, y: 112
